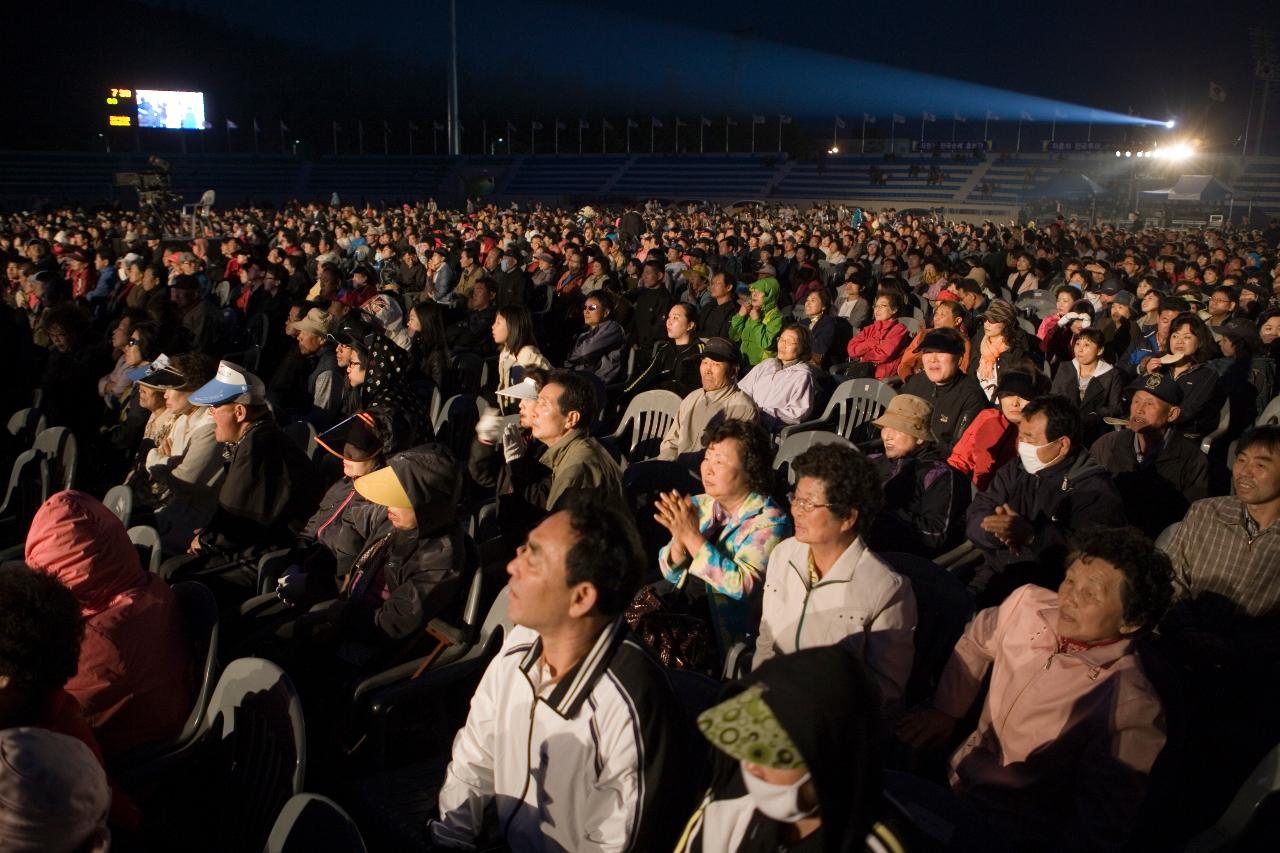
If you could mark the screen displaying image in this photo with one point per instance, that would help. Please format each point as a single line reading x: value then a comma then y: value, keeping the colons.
x: 172, y: 110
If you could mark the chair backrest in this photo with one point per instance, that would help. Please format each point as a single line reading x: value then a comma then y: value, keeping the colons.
x: 59, y: 448
x: 247, y: 358
x: 1232, y: 827
x: 259, y: 330
x: 649, y: 414
x: 303, y: 434
x: 469, y: 370
x: 119, y: 499
x: 207, y: 198
x: 456, y: 424
x: 912, y: 324
x: 1027, y: 326
x: 797, y: 443
x: 222, y: 290
x: 255, y: 727
x: 1270, y: 415
x: 271, y: 566
x: 309, y: 822
x: 200, y: 623
x: 147, y: 541
x: 1224, y: 421
x: 28, y: 488
x: 856, y: 402
x: 25, y: 425
x: 697, y: 692
x: 1165, y: 539
x: 943, y: 607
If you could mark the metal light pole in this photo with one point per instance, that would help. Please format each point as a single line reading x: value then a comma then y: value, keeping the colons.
x: 455, y: 128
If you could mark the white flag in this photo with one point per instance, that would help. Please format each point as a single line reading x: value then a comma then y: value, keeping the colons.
x: 868, y: 118
x: 231, y: 125
x: 604, y: 122
x: 730, y: 122
x: 680, y: 123
x: 255, y: 126
x: 1217, y: 93
x: 930, y: 117
x: 1059, y: 114
x: 437, y: 125
x: 656, y: 122
x: 706, y: 122
x: 632, y: 123
x: 1026, y: 116
x: 284, y: 128
x: 537, y: 125
x: 897, y: 119
x: 992, y: 116
x: 560, y: 125
x: 958, y: 117
x: 784, y: 119
x: 583, y: 124
x: 757, y: 119
x: 840, y: 123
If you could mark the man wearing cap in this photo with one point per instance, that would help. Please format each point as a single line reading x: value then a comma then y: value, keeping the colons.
x: 1120, y: 332
x: 955, y: 396
x: 718, y: 400
x: 696, y: 293
x: 924, y: 497
x: 1158, y: 471
x: 325, y: 383
x: 504, y: 268
x: 269, y: 490
x: 574, y: 739
x: 440, y: 275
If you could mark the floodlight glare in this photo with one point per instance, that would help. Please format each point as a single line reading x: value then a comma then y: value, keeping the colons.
x: 1171, y: 124
x: 1117, y: 153
x: 1128, y: 153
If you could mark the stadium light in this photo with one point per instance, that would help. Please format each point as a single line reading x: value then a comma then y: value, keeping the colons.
x: 1171, y: 124
x: 835, y: 149
x: 1128, y: 153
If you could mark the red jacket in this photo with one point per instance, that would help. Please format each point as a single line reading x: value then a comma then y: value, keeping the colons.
x: 881, y: 344
x: 135, y: 677
x: 989, y: 442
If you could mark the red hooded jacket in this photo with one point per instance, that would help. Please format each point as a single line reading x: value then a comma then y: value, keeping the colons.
x: 135, y: 677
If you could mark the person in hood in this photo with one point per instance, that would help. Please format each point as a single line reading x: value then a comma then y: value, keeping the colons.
x: 1024, y: 518
x: 409, y: 572
x: 796, y: 765
x: 759, y: 322
x: 1092, y: 382
x: 134, y: 678
x: 381, y: 372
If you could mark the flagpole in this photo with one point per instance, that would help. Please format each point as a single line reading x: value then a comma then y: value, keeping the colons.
x: 702, y: 135
x: 651, y: 127
x: 1053, y: 129
x: 484, y: 136
x: 454, y: 124
x: 922, y: 124
x: 359, y: 136
x: 533, y: 139
x: 779, y: 134
x: 1262, y: 108
x: 281, y: 137
x: 985, y: 124
x: 1244, y: 149
x: 893, y: 132
x: 335, y: 137
x: 386, y: 134
x: 726, y: 134
x: 1017, y: 147
x: 256, y: 130
x: 628, y: 134
x: 753, y: 133
x: 953, y: 128
x: 555, y: 137
x: 676, y: 147
x: 410, y: 139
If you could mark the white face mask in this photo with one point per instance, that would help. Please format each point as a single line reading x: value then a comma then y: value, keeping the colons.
x: 777, y: 802
x: 1030, y: 458
x: 507, y: 264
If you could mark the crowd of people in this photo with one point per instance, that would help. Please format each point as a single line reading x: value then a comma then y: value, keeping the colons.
x: 1039, y: 587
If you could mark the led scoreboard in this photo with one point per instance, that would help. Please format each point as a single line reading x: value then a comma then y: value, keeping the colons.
x: 155, y: 108
x: 122, y: 107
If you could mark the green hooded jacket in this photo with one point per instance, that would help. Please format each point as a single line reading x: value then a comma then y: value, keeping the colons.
x: 759, y: 338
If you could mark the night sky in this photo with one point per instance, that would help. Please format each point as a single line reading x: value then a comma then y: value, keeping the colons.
x: 812, y: 60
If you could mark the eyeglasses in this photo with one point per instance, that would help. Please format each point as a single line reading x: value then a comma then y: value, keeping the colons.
x: 590, y: 307
x: 133, y: 342
x: 803, y: 504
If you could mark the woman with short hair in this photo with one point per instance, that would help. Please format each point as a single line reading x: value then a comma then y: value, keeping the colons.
x: 722, y: 538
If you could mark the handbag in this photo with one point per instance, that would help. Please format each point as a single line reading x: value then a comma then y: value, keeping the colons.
x: 675, y: 627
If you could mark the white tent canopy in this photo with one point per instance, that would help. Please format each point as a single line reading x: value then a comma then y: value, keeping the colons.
x: 1201, y: 188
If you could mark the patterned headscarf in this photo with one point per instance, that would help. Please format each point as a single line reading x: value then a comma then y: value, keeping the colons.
x: 386, y: 387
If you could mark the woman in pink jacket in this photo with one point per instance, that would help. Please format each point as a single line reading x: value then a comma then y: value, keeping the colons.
x: 135, y: 676
x: 881, y: 343
x: 1071, y: 725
